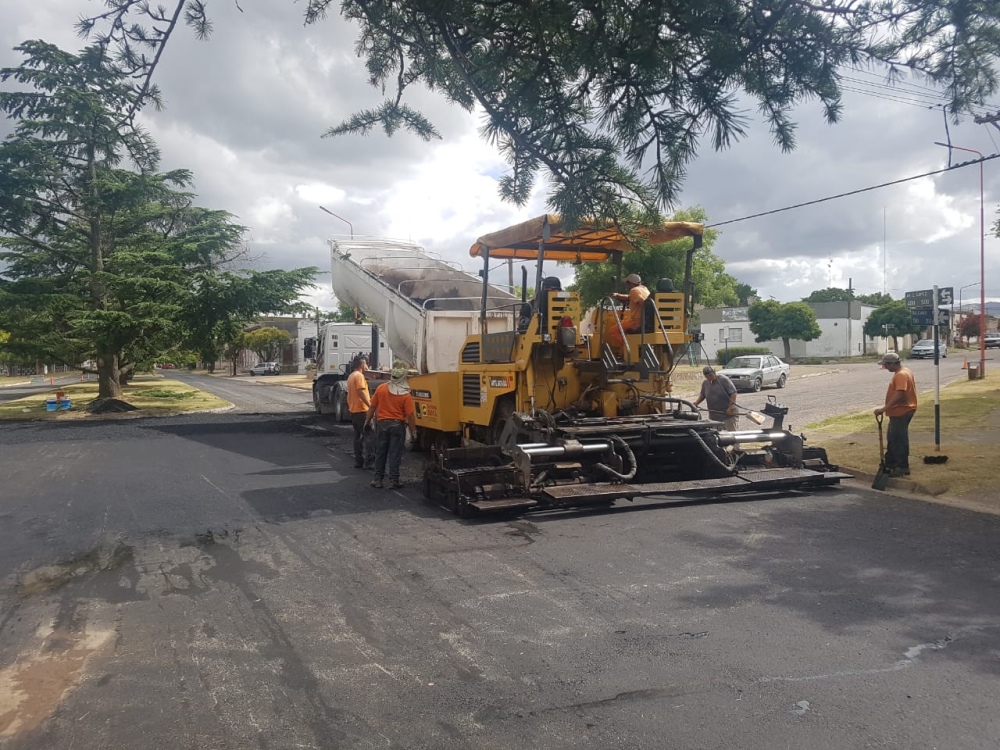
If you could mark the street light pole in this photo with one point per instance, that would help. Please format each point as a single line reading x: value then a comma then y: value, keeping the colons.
x: 982, y: 257
x: 327, y: 210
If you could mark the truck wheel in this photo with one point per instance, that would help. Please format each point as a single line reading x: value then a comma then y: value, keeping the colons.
x: 337, y: 402
x: 756, y: 385
x: 782, y: 380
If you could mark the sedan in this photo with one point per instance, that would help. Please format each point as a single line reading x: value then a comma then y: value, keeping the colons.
x: 925, y: 348
x: 992, y: 341
x: 751, y: 372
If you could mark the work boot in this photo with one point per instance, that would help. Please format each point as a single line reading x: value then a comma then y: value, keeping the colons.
x: 396, y: 485
x: 377, y: 484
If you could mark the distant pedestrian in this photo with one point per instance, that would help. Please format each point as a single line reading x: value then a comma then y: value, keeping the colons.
x: 392, y: 406
x: 358, y: 403
x: 720, y: 393
x: 900, y: 406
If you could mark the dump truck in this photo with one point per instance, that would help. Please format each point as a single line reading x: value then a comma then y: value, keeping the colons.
x: 541, y: 405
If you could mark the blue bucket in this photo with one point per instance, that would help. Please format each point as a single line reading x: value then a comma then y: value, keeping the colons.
x: 51, y: 404
x: 65, y: 404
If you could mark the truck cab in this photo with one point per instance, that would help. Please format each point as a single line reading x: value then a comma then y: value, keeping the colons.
x: 334, y: 349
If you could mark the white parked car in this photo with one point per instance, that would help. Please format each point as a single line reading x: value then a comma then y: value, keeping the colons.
x: 751, y: 372
x: 925, y: 348
x: 992, y: 341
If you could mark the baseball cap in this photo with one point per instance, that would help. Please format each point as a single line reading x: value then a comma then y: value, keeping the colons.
x: 633, y: 278
x: 889, y: 358
x: 707, y: 370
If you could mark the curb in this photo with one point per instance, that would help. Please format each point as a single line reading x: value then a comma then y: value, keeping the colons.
x: 910, y: 490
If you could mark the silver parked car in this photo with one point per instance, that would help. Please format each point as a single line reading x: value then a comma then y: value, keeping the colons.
x: 751, y: 372
x: 925, y: 348
x: 265, y: 368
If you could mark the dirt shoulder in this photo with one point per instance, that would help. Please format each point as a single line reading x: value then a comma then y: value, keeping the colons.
x: 969, y: 437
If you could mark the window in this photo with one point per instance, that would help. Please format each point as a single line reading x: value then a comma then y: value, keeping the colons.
x: 735, y: 334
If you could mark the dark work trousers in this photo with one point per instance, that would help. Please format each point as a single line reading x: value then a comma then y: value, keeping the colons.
x: 897, y: 447
x: 364, y: 444
x: 391, y: 444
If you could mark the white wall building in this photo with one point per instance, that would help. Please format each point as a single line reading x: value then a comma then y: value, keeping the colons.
x: 842, y: 325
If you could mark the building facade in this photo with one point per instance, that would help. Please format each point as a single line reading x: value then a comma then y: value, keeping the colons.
x: 841, y: 323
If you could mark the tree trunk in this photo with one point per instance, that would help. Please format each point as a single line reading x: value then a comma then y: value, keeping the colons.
x: 125, y: 375
x: 788, y: 348
x: 211, y: 368
x: 108, y: 384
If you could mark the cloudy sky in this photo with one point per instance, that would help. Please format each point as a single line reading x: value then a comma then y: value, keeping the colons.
x: 246, y: 109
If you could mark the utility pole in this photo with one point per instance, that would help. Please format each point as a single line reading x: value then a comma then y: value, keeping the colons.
x: 850, y: 316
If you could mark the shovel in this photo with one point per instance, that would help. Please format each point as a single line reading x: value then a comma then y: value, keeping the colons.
x: 882, y: 475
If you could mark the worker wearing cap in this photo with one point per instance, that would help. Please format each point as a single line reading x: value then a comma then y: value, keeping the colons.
x: 632, y: 317
x: 358, y: 402
x: 392, y: 405
x: 900, y: 406
x: 720, y: 393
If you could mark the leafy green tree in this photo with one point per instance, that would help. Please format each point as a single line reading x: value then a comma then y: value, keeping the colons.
x: 875, y: 298
x: 232, y: 350
x: 97, y: 261
x: 223, y: 303
x: 770, y: 320
x: 345, y: 313
x: 609, y: 99
x: 713, y: 287
x: 891, y: 319
x: 830, y: 294
x: 744, y: 293
x: 267, y: 342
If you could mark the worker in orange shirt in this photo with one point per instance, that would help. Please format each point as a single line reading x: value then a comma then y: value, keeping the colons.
x: 392, y: 406
x: 900, y: 406
x: 632, y: 317
x: 358, y: 402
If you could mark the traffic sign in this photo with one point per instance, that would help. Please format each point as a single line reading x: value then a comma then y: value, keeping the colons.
x: 924, y: 316
x: 925, y: 297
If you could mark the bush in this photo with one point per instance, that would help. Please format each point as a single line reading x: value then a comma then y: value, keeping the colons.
x: 723, y: 355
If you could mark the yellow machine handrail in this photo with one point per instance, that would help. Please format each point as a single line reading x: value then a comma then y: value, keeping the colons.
x: 614, y: 308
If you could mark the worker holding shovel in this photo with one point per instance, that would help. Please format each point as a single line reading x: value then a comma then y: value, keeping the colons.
x: 900, y: 406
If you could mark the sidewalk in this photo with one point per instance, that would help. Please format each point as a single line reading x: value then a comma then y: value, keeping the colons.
x: 969, y: 435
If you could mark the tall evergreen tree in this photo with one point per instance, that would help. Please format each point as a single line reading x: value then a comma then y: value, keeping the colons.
x: 104, y: 258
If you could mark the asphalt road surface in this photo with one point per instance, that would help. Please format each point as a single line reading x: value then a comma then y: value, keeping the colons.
x: 228, y: 581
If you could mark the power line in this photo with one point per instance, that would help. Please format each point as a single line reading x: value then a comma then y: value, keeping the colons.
x: 886, y: 82
x: 922, y: 103
x: 853, y: 192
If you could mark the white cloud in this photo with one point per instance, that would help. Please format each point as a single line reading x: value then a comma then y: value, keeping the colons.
x: 245, y: 112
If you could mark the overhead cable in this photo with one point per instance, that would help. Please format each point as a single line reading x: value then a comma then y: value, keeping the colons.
x: 853, y: 192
